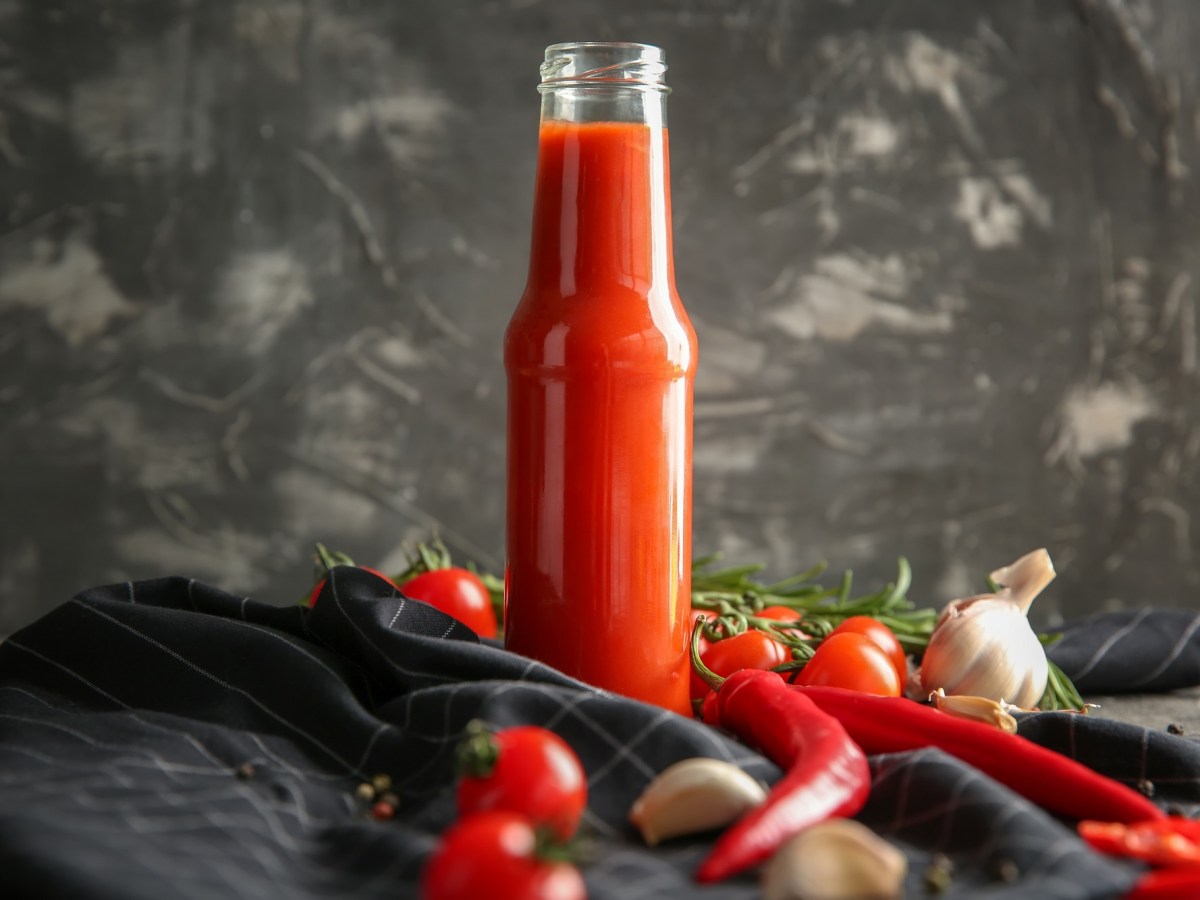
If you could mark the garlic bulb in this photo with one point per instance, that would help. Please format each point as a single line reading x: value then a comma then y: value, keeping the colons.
x: 984, y: 646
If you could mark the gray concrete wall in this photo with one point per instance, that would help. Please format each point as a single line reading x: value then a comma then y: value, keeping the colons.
x: 256, y: 259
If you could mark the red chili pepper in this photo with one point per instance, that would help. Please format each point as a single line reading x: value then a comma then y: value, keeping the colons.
x: 1173, y: 841
x: 1049, y: 779
x: 709, y: 711
x: 826, y: 773
x: 1166, y: 884
x: 1104, y: 837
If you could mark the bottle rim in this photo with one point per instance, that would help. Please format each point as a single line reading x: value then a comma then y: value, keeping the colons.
x: 604, y: 64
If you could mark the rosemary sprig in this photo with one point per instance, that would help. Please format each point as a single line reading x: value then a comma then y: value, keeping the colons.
x: 1060, y: 692
x: 734, y: 596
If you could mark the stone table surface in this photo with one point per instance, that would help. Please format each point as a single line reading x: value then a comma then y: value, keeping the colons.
x: 1154, y: 710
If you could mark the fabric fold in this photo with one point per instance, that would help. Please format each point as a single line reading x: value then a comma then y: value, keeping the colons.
x: 168, y: 738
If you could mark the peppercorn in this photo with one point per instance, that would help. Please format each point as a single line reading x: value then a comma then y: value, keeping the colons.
x: 365, y: 792
x: 382, y: 811
x: 381, y: 783
x: 939, y: 874
x: 1007, y: 871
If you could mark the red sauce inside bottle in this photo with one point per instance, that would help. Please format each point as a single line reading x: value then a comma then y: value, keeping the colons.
x: 601, y: 359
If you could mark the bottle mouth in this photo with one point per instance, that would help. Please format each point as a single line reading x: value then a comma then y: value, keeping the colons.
x: 604, y: 64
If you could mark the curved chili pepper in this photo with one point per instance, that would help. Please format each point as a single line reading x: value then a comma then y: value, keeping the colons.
x: 1166, y: 884
x: 1049, y: 779
x: 826, y: 773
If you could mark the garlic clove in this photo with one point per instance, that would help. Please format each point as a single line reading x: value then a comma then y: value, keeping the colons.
x: 692, y: 796
x: 835, y: 860
x: 978, y: 709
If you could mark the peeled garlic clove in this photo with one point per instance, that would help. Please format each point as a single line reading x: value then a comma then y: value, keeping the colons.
x: 835, y: 860
x: 978, y: 709
x: 694, y: 795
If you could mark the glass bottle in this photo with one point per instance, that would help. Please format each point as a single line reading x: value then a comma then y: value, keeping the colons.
x: 601, y: 359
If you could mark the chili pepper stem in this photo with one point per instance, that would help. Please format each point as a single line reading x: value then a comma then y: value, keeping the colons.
x: 549, y: 849
x: 707, y: 675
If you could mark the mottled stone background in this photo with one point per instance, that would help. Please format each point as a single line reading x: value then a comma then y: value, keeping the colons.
x: 256, y: 259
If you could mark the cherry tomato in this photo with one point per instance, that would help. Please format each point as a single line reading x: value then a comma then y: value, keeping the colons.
x: 320, y: 585
x: 456, y: 592
x: 492, y: 854
x: 853, y: 661
x: 527, y: 770
x: 883, y: 637
x: 748, y: 650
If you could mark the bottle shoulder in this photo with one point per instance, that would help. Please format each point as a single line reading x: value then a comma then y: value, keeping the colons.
x: 614, y: 329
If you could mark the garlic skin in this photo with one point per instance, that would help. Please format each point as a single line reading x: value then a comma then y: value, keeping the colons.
x: 839, y: 858
x: 984, y: 646
x: 694, y: 795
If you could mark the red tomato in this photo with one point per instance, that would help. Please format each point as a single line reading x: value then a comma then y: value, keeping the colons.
x: 320, y: 585
x: 852, y: 661
x: 491, y: 854
x: 748, y: 650
x: 883, y: 637
x: 527, y: 770
x: 456, y: 592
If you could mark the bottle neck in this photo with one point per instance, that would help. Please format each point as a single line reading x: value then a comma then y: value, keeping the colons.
x: 602, y: 210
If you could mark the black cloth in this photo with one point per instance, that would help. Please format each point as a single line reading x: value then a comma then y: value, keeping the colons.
x: 168, y: 739
x: 1132, y: 651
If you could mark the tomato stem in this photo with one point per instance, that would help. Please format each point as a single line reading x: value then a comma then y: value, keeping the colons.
x: 328, y: 559
x: 424, y: 557
x: 478, y: 752
x: 549, y: 849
